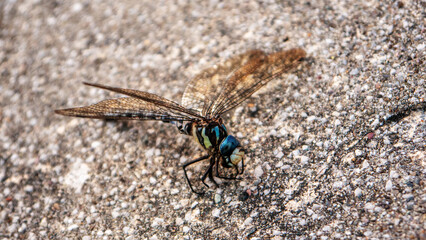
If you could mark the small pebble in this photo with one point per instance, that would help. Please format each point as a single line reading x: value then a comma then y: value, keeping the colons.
x: 354, y: 71
x: 408, y: 197
x: 304, y: 160
x: 77, y: 7
x: 95, y: 144
x: 152, y: 180
x: 217, y: 198
x: 389, y: 185
x: 369, y: 206
x: 338, y: 185
x: 179, y: 221
x: 72, y: 227
x: 393, y: 174
x: 216, y: 212
x: 28, y: 188
x: 358, y: 152
x: 157, y: 222
x: 248, y: 221
x: 258, y: 172
x: 279, y: 155
x: 358, y: 192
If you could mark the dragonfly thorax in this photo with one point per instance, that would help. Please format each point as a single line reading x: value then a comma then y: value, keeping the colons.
x: 208, y: 135
x: 213, y: 137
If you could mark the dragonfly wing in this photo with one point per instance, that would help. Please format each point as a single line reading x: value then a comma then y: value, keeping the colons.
x: 204, y: 88
x: 126, y: 108
x: 253, y: 75
x: 150, y: 98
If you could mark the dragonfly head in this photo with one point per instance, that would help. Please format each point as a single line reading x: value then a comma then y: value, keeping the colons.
x: 231, y: 151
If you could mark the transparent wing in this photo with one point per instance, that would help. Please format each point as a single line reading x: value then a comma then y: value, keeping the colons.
x: 149, y: 97
x: 203, y: 90
x: 126, y: 108
x: 250, y: 77
x: 140, y: 105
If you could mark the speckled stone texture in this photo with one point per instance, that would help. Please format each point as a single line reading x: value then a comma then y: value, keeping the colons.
x: 336, y: 149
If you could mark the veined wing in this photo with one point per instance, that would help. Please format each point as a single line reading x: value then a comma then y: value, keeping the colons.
x: 202, y: 91
x: 140, y: 105
x: 126, y: 108
x: 149, y: 97
x: 253, y: 75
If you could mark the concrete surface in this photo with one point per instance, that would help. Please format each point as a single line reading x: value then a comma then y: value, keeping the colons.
x: 336, y: 148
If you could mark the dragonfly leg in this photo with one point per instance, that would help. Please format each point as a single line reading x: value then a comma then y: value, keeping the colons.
x: 203, y: 178
x: 209, y: 173
x: 223, y: 177
x: 186, y: 175
x: 242, y: 167
x: 238, y: 171
x: 218, y: 174
x: 233, y: 177
x: 217, y: 169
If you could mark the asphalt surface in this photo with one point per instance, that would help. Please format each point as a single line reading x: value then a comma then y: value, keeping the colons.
x: 336, y: 149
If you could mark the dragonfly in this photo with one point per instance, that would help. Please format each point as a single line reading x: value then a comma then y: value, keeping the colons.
x: 210, y: 94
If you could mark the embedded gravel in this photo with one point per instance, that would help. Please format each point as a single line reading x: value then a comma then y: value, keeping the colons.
x: 336, y: 149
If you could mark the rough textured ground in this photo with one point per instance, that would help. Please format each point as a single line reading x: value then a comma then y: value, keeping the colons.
x: 336, y: 149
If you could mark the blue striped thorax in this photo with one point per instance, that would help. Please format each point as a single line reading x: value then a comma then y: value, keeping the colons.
x: 210, y: 136
x: 213, y: 136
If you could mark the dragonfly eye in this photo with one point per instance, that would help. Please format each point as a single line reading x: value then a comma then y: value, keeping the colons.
x: 231, y: 151
x: 228, y: 145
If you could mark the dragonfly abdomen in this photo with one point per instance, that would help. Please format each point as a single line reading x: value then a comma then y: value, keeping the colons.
x: 184, y: 127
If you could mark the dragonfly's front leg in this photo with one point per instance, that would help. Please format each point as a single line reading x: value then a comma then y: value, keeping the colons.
x: 209, y: 173
x: 236, y: 169
x: 186, y: 175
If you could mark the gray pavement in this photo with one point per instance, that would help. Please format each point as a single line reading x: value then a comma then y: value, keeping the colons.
x: 336, y: 149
